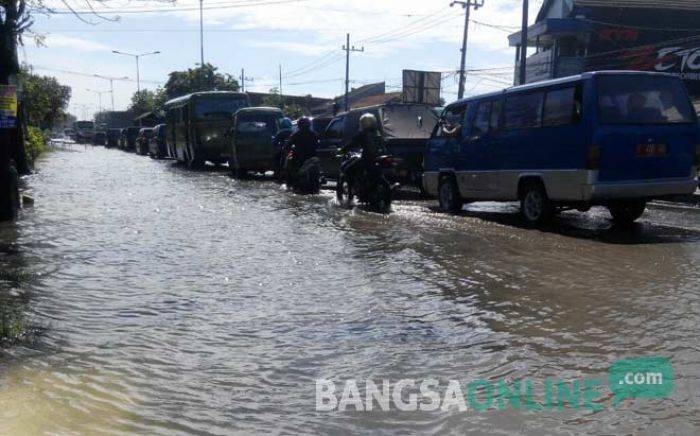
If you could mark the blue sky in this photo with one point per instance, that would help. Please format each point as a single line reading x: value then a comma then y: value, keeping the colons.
x: 304, y: 36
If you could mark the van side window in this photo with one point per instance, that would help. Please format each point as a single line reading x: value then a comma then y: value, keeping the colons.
x: 561, y: 108
x: 524, y: 110
x: 482, y: 119
x: 335, y: 130
x: 495, y: 122
x: 450, y: 125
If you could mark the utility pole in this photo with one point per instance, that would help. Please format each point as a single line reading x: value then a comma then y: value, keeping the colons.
x: 244, y: 79
x: 201, y: 32
x: 523, y: 43
x: 348, y: 49
x: 281, y: 96
x: 467, y: 5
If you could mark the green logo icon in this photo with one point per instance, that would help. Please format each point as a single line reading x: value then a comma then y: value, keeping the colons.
x: 650, y: 377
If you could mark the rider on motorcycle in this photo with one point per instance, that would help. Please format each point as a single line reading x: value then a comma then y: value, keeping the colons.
x: 369, y: 140
x: 304, y: 141
x: 281, y: 142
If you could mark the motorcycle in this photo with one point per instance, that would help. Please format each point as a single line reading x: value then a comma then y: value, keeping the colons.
x: 371, y: 186
x: 305, y: 179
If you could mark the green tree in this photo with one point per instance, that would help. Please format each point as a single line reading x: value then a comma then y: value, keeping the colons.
x: 273, y: 99
x: 292, y: 110
x: 203, y: 78
x: 147, y: 101
x: 45, y: 100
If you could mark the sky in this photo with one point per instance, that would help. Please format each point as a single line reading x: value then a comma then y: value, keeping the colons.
x: 305, y: 37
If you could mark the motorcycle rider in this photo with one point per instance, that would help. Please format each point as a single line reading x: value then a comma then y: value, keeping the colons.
x: 369, y: 140
x: 282, y: 143
x: 304, y: 141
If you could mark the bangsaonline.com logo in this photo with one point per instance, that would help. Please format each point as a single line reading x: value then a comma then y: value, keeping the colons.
x: 634, y: 378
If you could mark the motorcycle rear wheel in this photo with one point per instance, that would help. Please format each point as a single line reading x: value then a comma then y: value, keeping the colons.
x: 381, y: 201
x: 344, y: 192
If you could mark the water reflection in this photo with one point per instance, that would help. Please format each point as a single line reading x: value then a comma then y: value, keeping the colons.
x: 14, y: 295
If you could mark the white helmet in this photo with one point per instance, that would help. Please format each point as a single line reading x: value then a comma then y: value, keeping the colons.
x: 368, y: 122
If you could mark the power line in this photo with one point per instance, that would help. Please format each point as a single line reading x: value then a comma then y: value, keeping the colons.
x: 106, y: 11
x: 92, y: 75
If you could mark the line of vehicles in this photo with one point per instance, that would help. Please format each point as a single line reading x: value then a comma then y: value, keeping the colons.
x: 613, y: 139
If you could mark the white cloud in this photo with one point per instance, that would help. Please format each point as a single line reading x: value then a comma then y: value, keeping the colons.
x: 294, y: 47
x: 54, y: 40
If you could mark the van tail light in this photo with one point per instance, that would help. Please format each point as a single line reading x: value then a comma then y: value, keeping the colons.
x: 593, y: 158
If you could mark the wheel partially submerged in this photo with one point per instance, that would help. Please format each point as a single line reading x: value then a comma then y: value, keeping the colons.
x: 627, y: 212
x: 449, y: 196
x: 535, y: 206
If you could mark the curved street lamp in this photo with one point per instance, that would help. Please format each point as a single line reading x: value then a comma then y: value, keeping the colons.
x: 136, y: 56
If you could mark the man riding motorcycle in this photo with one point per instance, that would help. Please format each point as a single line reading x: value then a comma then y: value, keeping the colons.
x: 304, y: 142
x: 369, y: 140
x: 365, y: 176
x: 303, y: 145
x: 281, y: 143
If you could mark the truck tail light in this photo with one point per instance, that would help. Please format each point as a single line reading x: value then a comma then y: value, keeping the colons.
x: 593, y: 162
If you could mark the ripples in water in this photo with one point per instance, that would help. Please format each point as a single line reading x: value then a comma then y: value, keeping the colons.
x: 189, y: 302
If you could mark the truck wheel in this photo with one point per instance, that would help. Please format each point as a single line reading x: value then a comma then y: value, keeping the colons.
x: 535, y: 206
x: 627, y: 212
x: 235, y: 170
x: 448, y: 193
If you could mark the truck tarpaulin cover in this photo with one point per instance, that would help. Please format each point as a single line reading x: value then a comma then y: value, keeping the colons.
x: 408, y: 121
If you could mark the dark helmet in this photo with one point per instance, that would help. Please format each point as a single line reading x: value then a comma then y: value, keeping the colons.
x: 304, y: 123
x: 286, y: 124
x: 368, y: 123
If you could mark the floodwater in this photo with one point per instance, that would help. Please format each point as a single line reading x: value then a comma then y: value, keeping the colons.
x: 157, y: 300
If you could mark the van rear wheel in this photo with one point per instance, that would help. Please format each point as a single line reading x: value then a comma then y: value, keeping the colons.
x: 450, y: 198
x: 627, y: 212
x: 535, y: 206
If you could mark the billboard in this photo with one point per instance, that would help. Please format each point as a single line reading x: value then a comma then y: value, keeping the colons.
x: 422, y: 87
x: 681, y: 58
x: 8, y: 107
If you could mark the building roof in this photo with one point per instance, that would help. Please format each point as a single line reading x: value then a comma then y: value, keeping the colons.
x: 374, y: 100
x: 652, y: 4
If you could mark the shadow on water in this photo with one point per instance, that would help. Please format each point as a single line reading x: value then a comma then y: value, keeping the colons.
x: 587, y: 227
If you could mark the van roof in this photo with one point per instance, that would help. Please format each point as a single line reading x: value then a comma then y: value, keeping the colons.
x: 261, y: 109
x: 187, y: 97
x: 376, y: 106
x: 559, y: 81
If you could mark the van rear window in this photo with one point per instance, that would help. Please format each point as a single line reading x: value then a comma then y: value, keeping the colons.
x: 643, y: 100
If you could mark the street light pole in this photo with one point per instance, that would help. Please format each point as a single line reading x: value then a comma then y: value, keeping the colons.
x: 99, y: 98
x: 201, y: 32
x: 467, y: 5
x: 111, y: 92
x: 111, y: 84
x: 138, y: 72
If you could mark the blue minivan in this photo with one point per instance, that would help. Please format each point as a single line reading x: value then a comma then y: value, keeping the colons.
x: 613, y: 139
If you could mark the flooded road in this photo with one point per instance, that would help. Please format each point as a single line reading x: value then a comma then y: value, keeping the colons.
x: 165, y: 301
